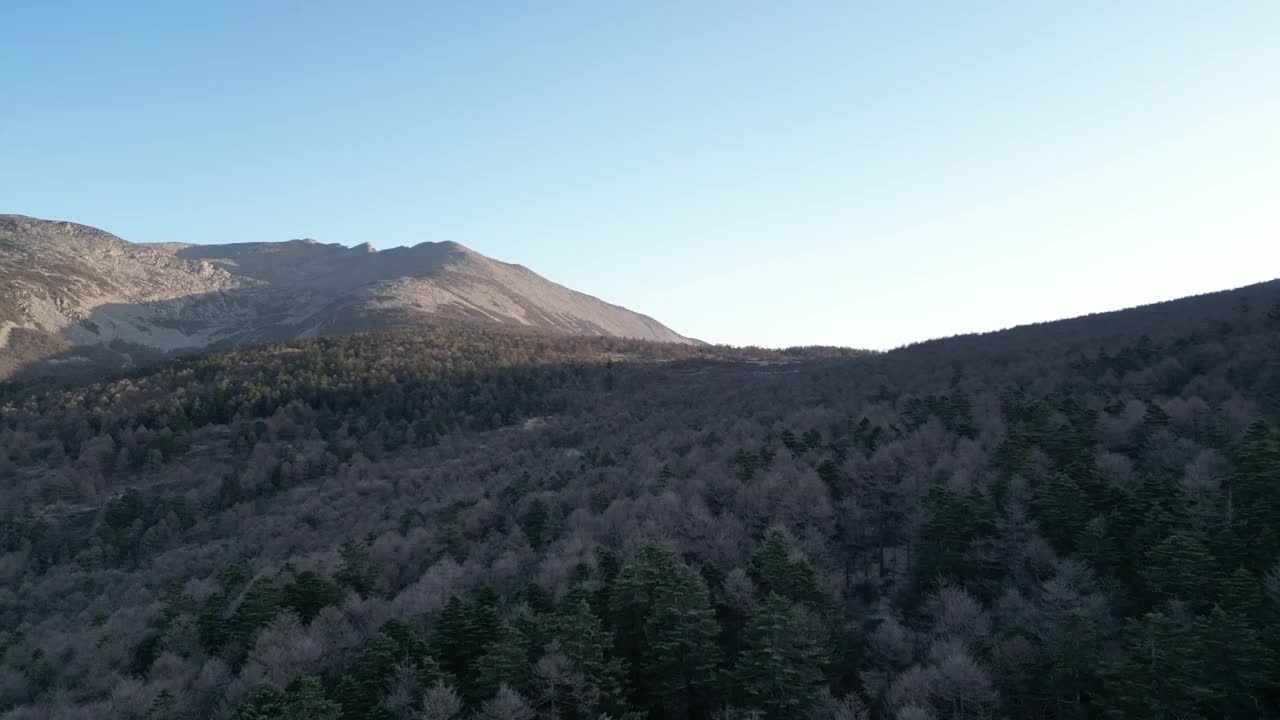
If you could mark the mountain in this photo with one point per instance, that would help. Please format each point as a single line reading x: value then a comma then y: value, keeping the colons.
x: 376, y: 525
x: 73, y: 296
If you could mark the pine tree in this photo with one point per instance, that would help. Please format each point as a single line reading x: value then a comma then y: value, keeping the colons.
x: 368, y: 677
x: 1253, y: 498
x: 264, y: 703
x: 163, y: 707
x: 587, y: 644
x: 829, y: 473
x: 356, y: 571
x: 260, y: 603
x: 453, y: 638
x: 1060, y: 511
x: 746, y: 465
x: 1241, y: 593
x: 953, y: 522
x: 1181, y: 567
x: 683, y: 637
x: 1156, y: 675
x: 777, y: 567
x: 1237, y: 668
x: 667, y: 634
x: 536, y: 522
x: 505, y: 662
x: 781, y: 669
x: 309, y: 592
x: 665, y: 476
x: 305, y: 700
x: 211, y: 621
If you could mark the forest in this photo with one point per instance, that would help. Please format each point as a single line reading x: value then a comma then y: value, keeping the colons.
x: 1078, y: 519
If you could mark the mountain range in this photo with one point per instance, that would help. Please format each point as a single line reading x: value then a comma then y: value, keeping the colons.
x: 73, y: 297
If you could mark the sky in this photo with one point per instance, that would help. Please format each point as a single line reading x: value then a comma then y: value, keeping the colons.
x: 844, y: 173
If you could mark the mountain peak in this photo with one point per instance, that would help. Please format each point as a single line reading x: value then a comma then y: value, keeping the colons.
x: 72, y: 286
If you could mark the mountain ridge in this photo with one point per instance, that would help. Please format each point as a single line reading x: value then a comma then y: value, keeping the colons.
x: 76, y: 296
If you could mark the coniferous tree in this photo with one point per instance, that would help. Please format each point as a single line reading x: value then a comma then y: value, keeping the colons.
x: 1238, y: 669
x: 1158, y: 673
x: 308, y: 592
x: 356, y: 571
x: 305, y: 700
x: 260, y: 603
x: 667, y: 634
x: 1253, y: 500
x: 780, y: 671
x: 452, y: 643
x: 588, y: 646
x: 778, y: 567
x: 264, y: 703
x: 505, y: 662
x: 1181, y: 567
x: 367, y: 679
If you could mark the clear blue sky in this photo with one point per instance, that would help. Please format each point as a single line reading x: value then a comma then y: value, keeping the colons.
x: 747, y: 172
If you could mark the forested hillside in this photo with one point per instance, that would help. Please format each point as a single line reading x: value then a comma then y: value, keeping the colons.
x: 1070, y: 520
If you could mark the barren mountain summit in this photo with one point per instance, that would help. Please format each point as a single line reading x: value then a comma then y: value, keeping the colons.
x: 73, y: 296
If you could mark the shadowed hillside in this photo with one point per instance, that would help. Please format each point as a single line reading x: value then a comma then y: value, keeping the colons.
x: 1069, y: 520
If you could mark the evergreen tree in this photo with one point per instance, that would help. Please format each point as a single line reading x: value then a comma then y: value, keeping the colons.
x: 778, y: 567
x: 1157, y: 675
x: 264, y: 703
x: 305, y: 700
x: 163, y: 707
x: 952, y: 524
x: 1181, y: 567
x: 369, y: 676
x: 1255, y: 486
x: 667, y: 634
x: 588, y: 646
x: 505, y: 662
x: 829, y: 473
x: 356, y: 571
x: 536, y: 523
x: 452, y: 638
x: 780, y: 671
x: 309, y: 592
x: 1060, y: 511
x: 1238, y: 669
x: 260, y: 603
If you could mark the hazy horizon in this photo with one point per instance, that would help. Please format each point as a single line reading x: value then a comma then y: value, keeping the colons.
x: 743, y: 173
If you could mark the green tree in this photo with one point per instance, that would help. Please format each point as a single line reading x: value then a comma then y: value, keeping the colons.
x: 356, y: 571
x: 780, y: 671
x: 260, y: 603
x: 667, y: 634
x: 309, y: 592
x: 536, y: 523
x: 369, y: 676
x: 588, y: 646
x: 1060, y: 510
x: 778, y: 567
x: 1158, y: 672
x: 1254, y: 501
x: 164, y: 706
x: 1181, y: 567
x: 505, y: 662
x: 305, y: 700
x: 1238, y: 669
x: 452, y: 642
x: 266, y: 702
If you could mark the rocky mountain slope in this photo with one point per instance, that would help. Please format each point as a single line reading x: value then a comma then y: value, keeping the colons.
x: 74, y: 297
